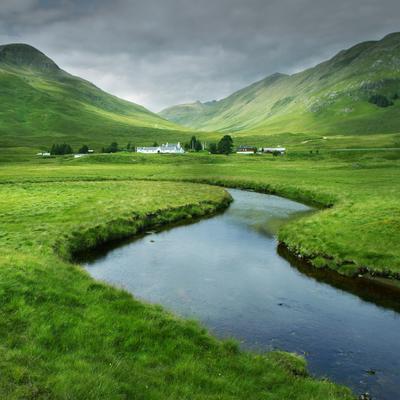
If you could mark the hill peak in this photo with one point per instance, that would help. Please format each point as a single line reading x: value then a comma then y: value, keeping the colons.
x: 393, y: 35
x: 24, y: 55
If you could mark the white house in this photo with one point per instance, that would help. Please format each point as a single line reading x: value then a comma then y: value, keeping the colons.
x: 44, y: 154
x: 163, y: 149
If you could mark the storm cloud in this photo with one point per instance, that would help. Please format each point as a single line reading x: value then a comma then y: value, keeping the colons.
x: 163, y: 52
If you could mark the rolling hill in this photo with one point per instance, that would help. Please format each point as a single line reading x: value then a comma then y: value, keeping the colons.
x: 41, y: 104
x: 354, y: 93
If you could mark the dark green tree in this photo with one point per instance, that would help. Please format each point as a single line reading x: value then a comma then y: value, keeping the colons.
x: 113, y: 147
x: 155, y: 144
x: 198, y: 146
x: 213, y: 148
x: 225, y: 145
x: 61, y: 149
x: 380, y: 100
x: 193, y: 141
x: 84, y: 149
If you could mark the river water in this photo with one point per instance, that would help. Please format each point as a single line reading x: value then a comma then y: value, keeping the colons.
x: 227, y: 272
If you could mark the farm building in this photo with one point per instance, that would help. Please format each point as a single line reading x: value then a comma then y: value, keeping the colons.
x: 163, y: 149
x: 246, y: 150
x: 272, y: 150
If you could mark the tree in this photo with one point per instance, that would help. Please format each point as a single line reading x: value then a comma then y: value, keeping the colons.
x: 84, y: 149
x: 128, y: 146
x: 112, y: 148
x: 61, y: 149
x: 198, y: 146
x: 213, y: 148
x: 155, y: 144
x: 225, y: 145
x: 193, y: 141
x: 380, y: 100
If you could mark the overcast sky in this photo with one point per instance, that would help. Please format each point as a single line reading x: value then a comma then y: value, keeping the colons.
x: 163, y: 52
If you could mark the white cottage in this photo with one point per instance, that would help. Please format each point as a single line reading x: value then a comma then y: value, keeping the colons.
x: 163, y: 149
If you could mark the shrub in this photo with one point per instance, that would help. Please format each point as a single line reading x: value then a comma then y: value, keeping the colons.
x: 84, y: 149
x: 61, y: 149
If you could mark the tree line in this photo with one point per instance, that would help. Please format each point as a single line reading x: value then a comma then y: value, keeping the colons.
x: 65, y: 148
x: 224, y: 146
x: 382, y: 101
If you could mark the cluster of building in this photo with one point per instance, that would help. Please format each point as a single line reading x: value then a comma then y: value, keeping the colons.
x: 266, y: 150
x: 163, y: 149
x: 176, y: 148
x: 78, y: 155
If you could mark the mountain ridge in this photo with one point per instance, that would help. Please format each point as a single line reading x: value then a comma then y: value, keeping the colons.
x: 25, y: 55
x: 331, y: 97
x: 43, y: 104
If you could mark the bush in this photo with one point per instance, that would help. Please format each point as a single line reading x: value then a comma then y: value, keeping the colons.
x: 213, y: 148
x: 61, y: 149
x: 112, y: 148
x: 84, y: 149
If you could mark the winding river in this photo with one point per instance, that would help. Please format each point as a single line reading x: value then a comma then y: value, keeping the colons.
x: 227, y: 272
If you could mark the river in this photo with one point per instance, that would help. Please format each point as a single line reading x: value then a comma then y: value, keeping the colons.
x: 226, y: 272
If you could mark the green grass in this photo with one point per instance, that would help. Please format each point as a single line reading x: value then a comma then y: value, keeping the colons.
x: 359, y: 233
x: 65, y: 336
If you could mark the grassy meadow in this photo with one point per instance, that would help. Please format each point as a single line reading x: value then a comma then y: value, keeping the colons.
x: 357, y: 232
x: 66, y: 336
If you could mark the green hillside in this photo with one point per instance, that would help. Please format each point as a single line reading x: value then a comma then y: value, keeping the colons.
x: 42, y: 104
x: 339, y: 96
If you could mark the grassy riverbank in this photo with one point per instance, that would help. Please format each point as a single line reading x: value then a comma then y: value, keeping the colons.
x: 359, y: 232
x: 63, y: 335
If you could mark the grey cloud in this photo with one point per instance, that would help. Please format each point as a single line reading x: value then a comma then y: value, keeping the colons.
x: 163, y: 52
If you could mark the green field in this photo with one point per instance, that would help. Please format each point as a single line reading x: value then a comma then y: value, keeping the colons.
x: 358, y: 231
x: 66, y: 336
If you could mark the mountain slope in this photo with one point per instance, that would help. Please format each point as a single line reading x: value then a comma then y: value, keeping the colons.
x: 41, y: 104
x: 332, y: 97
